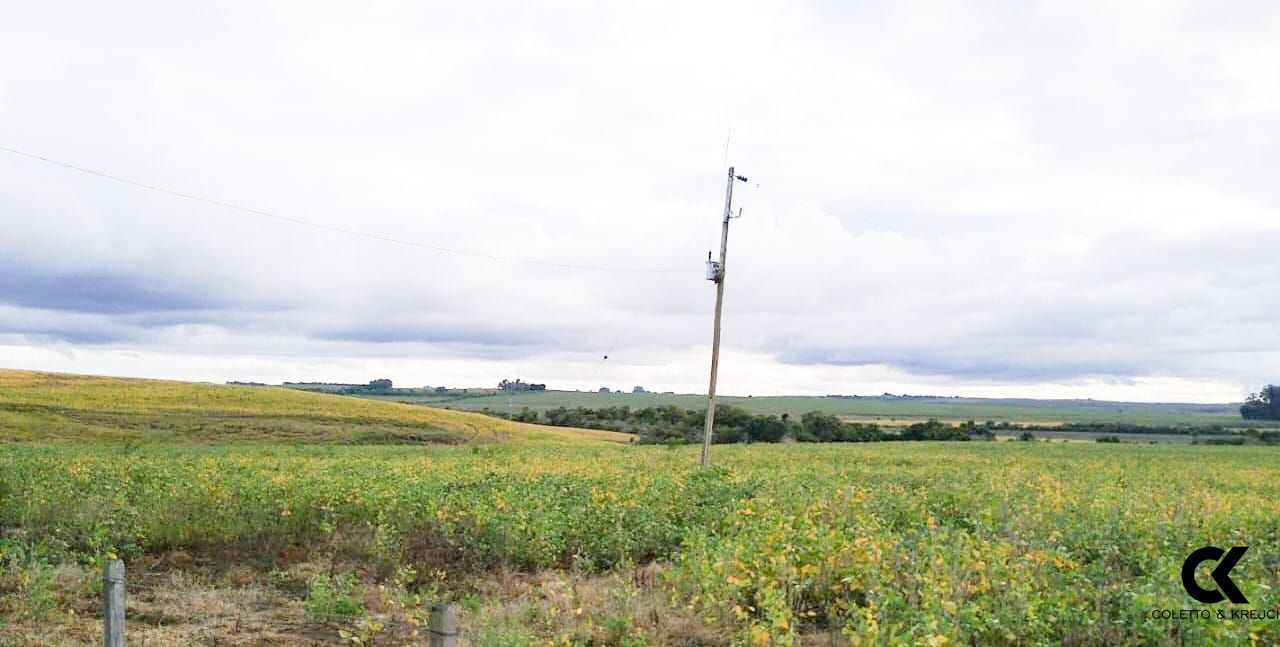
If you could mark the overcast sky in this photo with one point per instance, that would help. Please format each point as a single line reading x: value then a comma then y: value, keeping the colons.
x: 1039, y: 199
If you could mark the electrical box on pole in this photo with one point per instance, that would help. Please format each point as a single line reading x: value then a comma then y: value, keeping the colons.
x: 715, y: 272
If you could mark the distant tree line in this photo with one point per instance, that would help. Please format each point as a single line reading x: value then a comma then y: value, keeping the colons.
x: 1268, y: 436
x: 519, y: 385
x: 671, y: 424
x: 380, y: 386
x: 1264, y: 405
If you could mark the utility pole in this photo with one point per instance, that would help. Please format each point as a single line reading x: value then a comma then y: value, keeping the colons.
x: 715, y: 272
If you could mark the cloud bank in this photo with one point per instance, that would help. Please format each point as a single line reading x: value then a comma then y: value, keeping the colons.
x: 1031, y: 198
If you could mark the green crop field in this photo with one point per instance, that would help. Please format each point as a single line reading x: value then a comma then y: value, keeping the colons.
x: 889, y: 411
x: 583, y: 542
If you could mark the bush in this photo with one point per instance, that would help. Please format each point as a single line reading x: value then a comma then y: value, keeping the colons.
x: 1234, y: 440
x: 330, y: 598
x: 821, y: 427
x: 933, y: 430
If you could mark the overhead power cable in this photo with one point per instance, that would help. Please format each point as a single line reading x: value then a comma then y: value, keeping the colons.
x: 341, y: 230
x: 602, y: 360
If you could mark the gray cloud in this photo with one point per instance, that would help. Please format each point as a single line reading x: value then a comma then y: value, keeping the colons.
x: 1028, y: 195
x: 96, y: 292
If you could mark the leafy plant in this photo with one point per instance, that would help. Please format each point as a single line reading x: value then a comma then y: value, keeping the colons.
x: 331, y: 598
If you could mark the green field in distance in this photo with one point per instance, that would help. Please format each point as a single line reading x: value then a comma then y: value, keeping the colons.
x: 888, y: 411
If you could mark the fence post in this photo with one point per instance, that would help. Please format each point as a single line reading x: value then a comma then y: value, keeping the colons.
x: 443, y: 629
x: 113, y: 603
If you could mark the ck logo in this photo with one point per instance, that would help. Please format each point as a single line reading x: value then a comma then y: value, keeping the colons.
x: 1221, y: 574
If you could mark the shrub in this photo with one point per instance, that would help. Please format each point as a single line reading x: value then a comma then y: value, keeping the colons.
x: 331, y: 598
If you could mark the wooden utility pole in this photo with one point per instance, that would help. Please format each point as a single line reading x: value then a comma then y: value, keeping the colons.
x: 715, y: 272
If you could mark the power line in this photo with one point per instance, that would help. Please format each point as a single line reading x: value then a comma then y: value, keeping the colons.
x: 333, y: 228
x: 602, y: 361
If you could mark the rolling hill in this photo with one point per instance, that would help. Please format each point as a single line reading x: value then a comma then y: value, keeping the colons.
x: 37, y: 406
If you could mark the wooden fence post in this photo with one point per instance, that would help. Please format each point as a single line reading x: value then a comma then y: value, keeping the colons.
x: 443, y: 628
x: 113, y: 603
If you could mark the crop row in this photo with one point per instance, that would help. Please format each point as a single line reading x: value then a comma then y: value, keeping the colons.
x: 946, y: 542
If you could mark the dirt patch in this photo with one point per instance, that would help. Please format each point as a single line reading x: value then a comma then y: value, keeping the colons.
x: 182, y: 599
x: 175, y: 609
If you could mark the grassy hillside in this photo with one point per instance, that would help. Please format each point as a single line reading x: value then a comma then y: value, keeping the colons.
x: 887, y: 412
x: 52, y: 406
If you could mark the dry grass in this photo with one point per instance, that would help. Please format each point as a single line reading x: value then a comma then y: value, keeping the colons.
x: 180, y: 609
x: 172, y: 600
x: 566, y: 608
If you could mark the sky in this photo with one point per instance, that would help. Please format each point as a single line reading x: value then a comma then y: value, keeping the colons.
x: 1040, y: 199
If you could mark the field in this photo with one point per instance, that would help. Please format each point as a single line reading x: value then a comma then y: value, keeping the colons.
x: 77, y: 408
x: 885, y: 411
x: 601, y: 543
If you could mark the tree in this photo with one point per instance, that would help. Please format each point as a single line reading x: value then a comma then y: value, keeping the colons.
x: 382, y: 384
x: 1264, y: 405
x: 526, y: 415
x: 766, y: 429
x: 821, y: 427
x: 860, y: 433
x: 520, y: 385
x: 933, y: 430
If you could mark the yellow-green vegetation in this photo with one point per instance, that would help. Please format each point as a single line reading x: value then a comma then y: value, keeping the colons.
x: 919, y: 543
x: 52, y: 406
